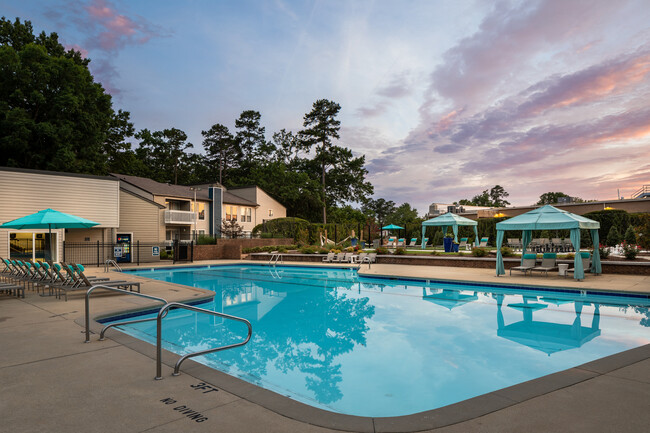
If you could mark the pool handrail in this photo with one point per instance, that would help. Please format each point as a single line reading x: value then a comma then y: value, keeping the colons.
x: 163, y: 312
x: 115, y: 289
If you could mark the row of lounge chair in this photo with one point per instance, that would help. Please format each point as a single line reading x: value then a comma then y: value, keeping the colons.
x: 549, y: 263
x: 59, y: 279
x: 350, y: 258
x: 541, y: 245
x: 397, y: 243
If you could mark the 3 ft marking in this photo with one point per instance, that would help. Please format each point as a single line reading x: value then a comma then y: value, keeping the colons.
x: 204, y: 386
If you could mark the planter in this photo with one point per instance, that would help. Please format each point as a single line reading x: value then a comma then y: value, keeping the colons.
x: 454, y: 247
x: 447, y: 243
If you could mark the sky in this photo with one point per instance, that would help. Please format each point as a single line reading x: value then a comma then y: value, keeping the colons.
x: 444, y: 98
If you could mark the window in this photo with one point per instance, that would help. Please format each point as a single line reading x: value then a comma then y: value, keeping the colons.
x: 200, y: 209
x: 270, y: 212
x: 246, y: 214
x: 231, y: 213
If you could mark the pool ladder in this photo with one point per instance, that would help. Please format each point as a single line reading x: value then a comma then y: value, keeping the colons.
x: 162, y: 313
x: 110, y: 262
x: 275, y: 258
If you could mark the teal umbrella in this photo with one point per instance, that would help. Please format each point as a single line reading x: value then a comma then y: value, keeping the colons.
x: 392, y: 227
x: 49, y: 219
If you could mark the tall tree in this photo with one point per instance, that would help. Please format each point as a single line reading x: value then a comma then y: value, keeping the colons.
x: 163, y: 150
x: 378, y: 209
x: 498, y: 196
x: 220, y: 148
x: 250, y: 138
x: 404, y: 215
x: 494, y: 197
x: 53, y: 115
x: 550, y: 197
x: 321, y: 127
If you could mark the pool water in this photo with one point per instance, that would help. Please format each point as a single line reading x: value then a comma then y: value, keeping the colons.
x: 388, y: 347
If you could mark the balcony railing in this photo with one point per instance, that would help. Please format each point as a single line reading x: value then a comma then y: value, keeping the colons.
x: 179, y: 217
x: 644, y: 191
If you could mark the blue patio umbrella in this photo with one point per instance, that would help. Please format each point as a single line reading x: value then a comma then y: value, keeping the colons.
x: 392, y: 227
x: 49, y: 219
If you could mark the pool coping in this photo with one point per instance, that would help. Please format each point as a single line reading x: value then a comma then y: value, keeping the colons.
x: 455, y: 413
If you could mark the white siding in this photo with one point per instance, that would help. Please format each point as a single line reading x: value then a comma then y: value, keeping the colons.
x: 139, y: 217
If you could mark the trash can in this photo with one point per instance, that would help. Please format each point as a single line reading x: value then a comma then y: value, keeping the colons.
x: 562, y: 268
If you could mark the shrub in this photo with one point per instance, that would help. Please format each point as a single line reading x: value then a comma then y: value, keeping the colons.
x: 308, y: 250
x: 205, y: 240
x: 282, y: 250
x: 437, y: 238
x: 479, y: 252
x: 322, y: 250
x: 630, y: 236
x: 163, y: 254
x: 349, y: 249
x: 613, y: 237
x: 435, y: 253
x: 381, y: 250
x: 400, y: 251
x: 268, y: 248
x: 630, y: 251
x: 507, y: 252
x: 570, y: 256
x: 603, y: 251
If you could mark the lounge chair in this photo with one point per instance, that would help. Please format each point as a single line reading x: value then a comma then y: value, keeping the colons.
x: 463, y: 244
x: 85, y: 283
x: 329, y: 258
x: 348, y: 258
x: 527, y: 264
x: 370, y: 258
x: 361, y: 257
x: 339, y: 258
x: 426, y: 241
x: 549, y: 263
x: 401, y: 243
x: 413, y: 243
x: 484, y: 242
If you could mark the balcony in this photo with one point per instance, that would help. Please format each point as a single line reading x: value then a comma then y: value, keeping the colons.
x: 179, y: 217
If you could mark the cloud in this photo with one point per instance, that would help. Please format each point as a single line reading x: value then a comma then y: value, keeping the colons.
x: 106, y: 31
x: 400, y: 86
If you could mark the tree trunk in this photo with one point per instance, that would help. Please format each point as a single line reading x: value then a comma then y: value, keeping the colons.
x: 323, y: 189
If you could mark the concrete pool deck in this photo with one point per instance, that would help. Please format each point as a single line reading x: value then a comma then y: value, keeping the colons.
x: 52, y: 381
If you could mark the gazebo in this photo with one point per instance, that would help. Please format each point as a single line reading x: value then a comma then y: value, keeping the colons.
x: 551, y: 218
x: 446, y: 220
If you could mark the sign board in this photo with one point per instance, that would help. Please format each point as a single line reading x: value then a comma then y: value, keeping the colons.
x: 117, y: 251
x: 155, y: 251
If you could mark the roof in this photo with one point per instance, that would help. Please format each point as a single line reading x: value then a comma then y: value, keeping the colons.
x: 547, y: 218
x: 181, y: 191
x: 57, y: 173
x: 449, y: 219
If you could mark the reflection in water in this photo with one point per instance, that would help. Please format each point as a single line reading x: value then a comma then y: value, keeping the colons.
x: 447, y: 298
x: 546, y: 336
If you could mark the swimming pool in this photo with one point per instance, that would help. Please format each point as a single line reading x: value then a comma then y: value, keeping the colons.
x: 388, y: 347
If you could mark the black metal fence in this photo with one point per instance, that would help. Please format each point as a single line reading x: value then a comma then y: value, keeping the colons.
x: 96, y: 253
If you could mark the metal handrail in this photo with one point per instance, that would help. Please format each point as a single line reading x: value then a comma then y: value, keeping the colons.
x: 277, y: 257
x: 163, y: 312
x: 111, y: 262
x: 115, y: 289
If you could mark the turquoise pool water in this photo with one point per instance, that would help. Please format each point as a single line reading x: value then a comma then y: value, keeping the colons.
x: 388, y: 347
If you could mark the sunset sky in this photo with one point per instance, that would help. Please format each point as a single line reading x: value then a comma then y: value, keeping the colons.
x: 444, y: 98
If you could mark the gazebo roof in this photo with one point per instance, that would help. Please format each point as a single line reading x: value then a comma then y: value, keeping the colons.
x: 547, y: 218
x: 449, y: 219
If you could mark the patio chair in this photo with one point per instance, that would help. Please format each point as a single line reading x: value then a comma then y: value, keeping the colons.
x: 527, y: 264
x: 463, y: 243
x: 329, y: 258
x: 75, y: 275
x: 549, y: 263
x: 413, y: 243
x: 361, y: 257
x: 85, y: 283
x: 401, y: 242
x: 339, y: 258
x: 515, y: 244
x: 372, y: 258
x: 556, y: 244
x: 484, y: 242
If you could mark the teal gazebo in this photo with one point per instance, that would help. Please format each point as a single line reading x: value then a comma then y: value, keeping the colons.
x: 446, y: 220
x: 551, y: 218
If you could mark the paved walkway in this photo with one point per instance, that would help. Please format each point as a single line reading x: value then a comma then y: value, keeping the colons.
x: 52, y: 381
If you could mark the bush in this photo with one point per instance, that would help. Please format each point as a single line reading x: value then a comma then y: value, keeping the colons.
x: 630, y: 236
x: 630, y: 251
x: 308, y: 250
x: 570, y: 256
x: 205, y: 240
x: 400, y: 251
x: 381, y: 250
x: 322, y: 250
x: 163, y: 255
x: 507, y: 252
x: 479, y: 252
x: 613, y: 237
x: 603, y: 251
x: 435, y: 253
x: 268, y: 248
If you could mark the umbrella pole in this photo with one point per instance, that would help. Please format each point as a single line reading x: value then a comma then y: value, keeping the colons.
x: 51, y: 255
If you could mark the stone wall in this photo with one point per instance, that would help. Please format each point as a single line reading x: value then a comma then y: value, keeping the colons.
x: 232, y: 248
x: 611, y: 267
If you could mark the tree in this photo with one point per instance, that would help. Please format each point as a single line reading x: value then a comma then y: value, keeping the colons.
x: 322, y: 127
x: 378, y: 209
x: 550, y: 198
x: 341, y: 174
x: 250, y: 138
x: 220, y: 148
x: 498, y: 195
x: 404, y: 215
x: 231, y: 229
x: 53, y: 115
x: 630, y: 236
x: 613, y: 237
x: 162, y: 150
